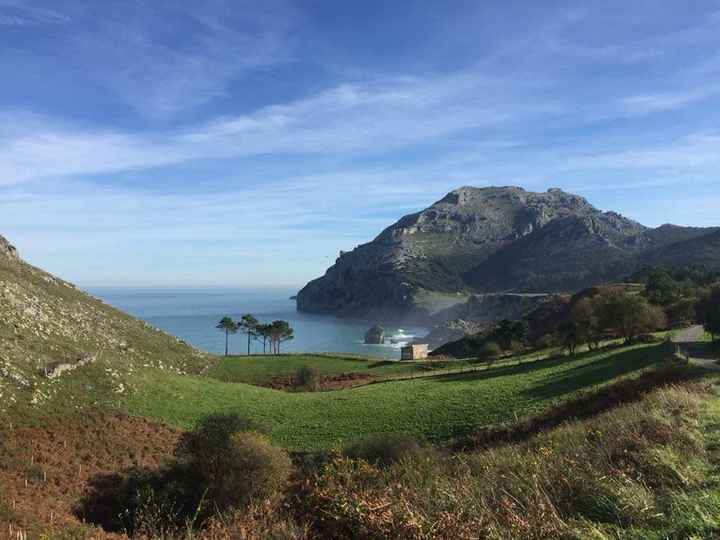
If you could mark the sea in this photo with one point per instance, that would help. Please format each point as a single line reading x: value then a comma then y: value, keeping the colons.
x: 192, y: 314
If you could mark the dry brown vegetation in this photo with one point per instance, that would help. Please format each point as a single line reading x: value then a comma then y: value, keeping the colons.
x: 644, y: 466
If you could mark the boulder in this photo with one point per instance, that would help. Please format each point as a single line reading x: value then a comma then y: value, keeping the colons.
x: 375, y: 336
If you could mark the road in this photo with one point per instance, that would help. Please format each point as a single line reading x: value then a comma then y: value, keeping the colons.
x: 694, y: 334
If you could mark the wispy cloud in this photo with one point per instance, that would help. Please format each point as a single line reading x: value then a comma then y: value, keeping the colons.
x: 365, y: 118
x: 666, y: 101
x: 691, y: 152
x: 163, y: 58
x: 15, y: 13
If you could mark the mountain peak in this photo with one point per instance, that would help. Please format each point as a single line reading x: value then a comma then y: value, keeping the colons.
x: 7, y: 249
x: 486, y: 240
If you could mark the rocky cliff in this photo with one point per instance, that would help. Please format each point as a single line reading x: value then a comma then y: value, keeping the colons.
x: 486, y: 240
x: 7, y: 249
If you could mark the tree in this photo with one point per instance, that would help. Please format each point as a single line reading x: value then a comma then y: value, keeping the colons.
x: 507, y: 332
x: 489, y: 351
x: 572, y: 334
x: 629, y: 315
x: 682, y: 311
x: 708, y: 310
x: 660, y: 288
x: 584, y: 314
x: 263, y: 331
x: 249, y: 326
x: 228, y: 326
x: 280, y: 331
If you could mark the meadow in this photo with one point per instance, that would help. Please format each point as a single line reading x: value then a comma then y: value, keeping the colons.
x: 260, y: 369
x: 437, y: 408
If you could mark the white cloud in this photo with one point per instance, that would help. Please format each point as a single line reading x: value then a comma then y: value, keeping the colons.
x: 690, y: 152
x: 163, y: 58
x: 665, y: 101
x: 366, y: 118
x: 14, y: 13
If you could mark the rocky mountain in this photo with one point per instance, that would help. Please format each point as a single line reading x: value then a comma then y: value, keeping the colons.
x: 7, y: 249
x: 491, y: 240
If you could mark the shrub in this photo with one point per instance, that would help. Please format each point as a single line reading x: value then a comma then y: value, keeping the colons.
x: 386, y: 449
x: 619, y: 469
x: 489, y: 351
x: 229, y: 465
x: 308, y: 377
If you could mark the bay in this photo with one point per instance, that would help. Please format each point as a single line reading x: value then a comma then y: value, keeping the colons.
x: 192, y: 313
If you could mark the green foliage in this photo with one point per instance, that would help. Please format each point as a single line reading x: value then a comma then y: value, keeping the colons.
x: 627, y: 314
x: 279, y: 332
x: 262, y: 369
x: 435, y: 408
x: 661, y: 289
x: 248, y: 325
x: 386, y: 449
x: 308, y: 377
x: 507, y: 332
x: 628, y: 473
x: 230, y: 463
x: 220, y: 467
x: 227, y: 326
x: 489, y: 351
x: 708, y: 309
x: 572, y: 334
x: 682, y: 311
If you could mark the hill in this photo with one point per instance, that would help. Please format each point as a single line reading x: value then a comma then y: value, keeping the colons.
x: 56, y: 341
x: 494, y: 240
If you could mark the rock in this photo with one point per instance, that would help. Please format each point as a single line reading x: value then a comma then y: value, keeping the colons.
x: 375, y: 336
x: 8, y: 250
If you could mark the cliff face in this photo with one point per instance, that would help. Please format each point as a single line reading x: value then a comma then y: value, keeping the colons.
x: 486, y: 240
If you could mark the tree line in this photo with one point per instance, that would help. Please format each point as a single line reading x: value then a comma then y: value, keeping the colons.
x: 272, y: 335
x: 686, y: 294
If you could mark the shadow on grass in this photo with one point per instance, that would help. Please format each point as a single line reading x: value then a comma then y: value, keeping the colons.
x: 587, y: 404
x: 604, y: 369
x: 702, y: 349
x: 537, y: 365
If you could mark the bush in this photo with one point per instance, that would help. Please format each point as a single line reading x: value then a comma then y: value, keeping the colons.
x: 230, y: 463
x: 308, y: 377
x: 489, y: 351
x: 618, y: 469
x: 385, y: 450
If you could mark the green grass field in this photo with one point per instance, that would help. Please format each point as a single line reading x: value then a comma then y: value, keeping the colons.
x: 435, y: 408
x: 261, y: 369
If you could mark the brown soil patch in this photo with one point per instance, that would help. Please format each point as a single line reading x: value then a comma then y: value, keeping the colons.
x: 326, y: 383
x: 44, y: 471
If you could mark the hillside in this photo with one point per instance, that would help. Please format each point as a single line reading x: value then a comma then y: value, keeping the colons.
x: 492, y: 240
x: 61, y: 349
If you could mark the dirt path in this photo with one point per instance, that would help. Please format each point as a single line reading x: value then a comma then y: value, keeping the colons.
x: 690, y: 336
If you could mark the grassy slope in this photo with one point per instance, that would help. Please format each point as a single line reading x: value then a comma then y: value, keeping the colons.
x: 262, y: 369
x: 436, y: 408
x: 44, y: 320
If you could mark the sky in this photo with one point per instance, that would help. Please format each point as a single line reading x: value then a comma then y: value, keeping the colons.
x: 238, y: 143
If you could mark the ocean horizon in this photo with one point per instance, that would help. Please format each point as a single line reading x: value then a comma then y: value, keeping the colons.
x: 192, y: 313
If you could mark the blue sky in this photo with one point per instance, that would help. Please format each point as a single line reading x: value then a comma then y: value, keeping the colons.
x: 241, y: 143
